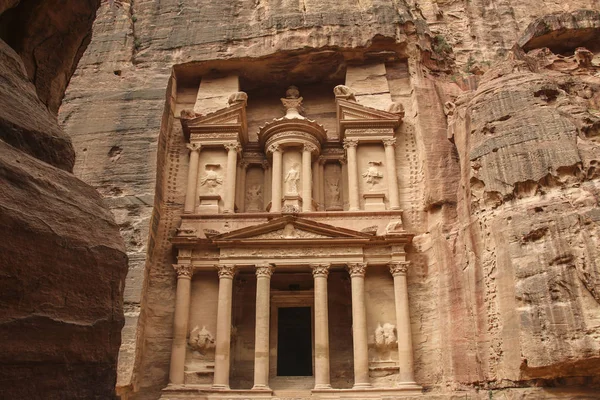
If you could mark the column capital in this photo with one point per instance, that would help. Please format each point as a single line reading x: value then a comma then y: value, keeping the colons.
x: 234, y: 146
x: 389, y: 142
x: 320, y: 270
x: 357, y: 269
x: 309, y: 147
x: 183, y: 271
x: 398, y: 268
x: 273, y: 148
x: 226, y: 271
x: 350, y: 143
x: 193, y: 146
x: 243, y: 164
x: 265, y: 270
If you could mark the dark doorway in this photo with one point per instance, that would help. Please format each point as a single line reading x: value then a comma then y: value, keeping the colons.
x: 294, y: 342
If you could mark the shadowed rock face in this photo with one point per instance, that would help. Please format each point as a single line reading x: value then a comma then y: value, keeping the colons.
x: 62, y: 261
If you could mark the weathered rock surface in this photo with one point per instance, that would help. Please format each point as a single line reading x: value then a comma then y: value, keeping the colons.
x: 502, y: 295
x: 62, y: 262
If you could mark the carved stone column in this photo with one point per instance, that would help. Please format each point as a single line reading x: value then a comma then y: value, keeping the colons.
x: 359, y: 326
x: 261, y: 347
x: 223, y: 339
x: 267, y: 180
x: 192, y: 182
x: 321, y: 183
x: 390, y: 161
x: 229, y: 203
x: 276, y: 178
x: 350, y: 146
x: 180, y: 323
x: 322, y: 376
x: 405, y: 349
x: 307, y: 177
x: 242, y: 188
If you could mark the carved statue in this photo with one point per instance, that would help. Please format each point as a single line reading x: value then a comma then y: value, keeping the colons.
x: 254, y: 198
x: 372, y: 175
x: 344, y: 92
x: 291, y: 180
x: 333, y: 191
x: 211, y: 179
x: 201, y: 340
x: 396, y: 108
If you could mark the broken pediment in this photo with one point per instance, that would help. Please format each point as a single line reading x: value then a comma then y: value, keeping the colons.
x: 228, y: 120
x: 290, y: 228
x: 352, y: 115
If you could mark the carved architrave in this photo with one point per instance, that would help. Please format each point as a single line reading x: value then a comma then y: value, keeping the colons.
x: 357, y: 269
x: 320, y: 270
x: 265, y: 270
x: 183, y: 271
x: 226, y: 271
x: 293, y: 135
x: 399, y: 267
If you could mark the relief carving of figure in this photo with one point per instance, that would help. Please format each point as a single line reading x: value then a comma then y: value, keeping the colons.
x: 211, y: 178
x: 385, y: 339
x: 372, y: 175
x: 254, y: 198
x: 201, y: 340
x: 333, y: 191
x: 291, y: 180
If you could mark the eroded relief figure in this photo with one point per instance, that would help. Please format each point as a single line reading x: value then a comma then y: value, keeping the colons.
x: 385, y: 339
x: 291, y: 180
x: 333, y: 191
x: 211, y: 178
x: 254, y: 198
x: 202, y: 341
x: 372, y: 175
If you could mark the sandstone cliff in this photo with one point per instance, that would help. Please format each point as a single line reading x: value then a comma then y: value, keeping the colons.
x: 502, y: 186
x: 62, y: 262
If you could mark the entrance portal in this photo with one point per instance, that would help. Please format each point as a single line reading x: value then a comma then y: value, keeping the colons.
x: 294, y: 342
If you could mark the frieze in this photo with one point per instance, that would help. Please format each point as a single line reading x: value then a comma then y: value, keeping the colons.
x: 290, y: 232
x: 291, y: 135
x: 369, y: 132
x: 214, y: 136
x: 283, y: 252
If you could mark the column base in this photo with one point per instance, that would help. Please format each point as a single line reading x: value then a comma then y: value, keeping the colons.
x: 362, y: 386
x: 220, y: 387
x: 261, y: 387
x: 322, y: 386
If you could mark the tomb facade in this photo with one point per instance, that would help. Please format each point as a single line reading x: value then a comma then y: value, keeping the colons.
x: 291, y: 255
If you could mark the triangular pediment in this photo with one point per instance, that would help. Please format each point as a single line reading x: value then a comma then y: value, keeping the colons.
x: 232, y: 118
x: 349, y: 110
x: 289, y: 227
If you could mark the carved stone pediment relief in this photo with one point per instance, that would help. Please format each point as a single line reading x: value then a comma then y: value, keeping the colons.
x: 290, y: 227
x: 290, y: 232
x: 228, y: 120
x: 352, y: 115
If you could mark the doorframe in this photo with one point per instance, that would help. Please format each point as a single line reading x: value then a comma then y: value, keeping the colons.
x: 283, y: 299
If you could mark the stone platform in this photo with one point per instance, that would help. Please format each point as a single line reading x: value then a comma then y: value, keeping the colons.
x: 173, y: 392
